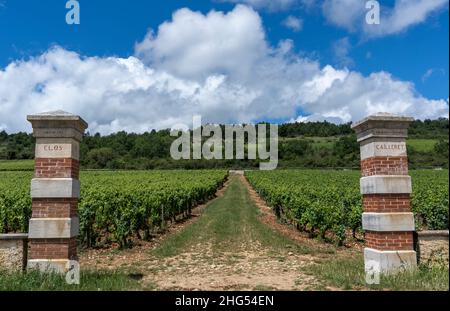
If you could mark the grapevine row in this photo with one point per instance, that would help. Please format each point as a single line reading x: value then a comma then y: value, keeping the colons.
x: 323, y: 202
x: 116, y: 205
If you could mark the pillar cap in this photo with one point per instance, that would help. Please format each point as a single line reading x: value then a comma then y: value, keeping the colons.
x: 57, y: 124
x: 383, y: 117
x: 382, y: 125
x: 57, y: 115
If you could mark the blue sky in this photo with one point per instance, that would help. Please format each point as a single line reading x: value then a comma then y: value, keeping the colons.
x: 320, y: 44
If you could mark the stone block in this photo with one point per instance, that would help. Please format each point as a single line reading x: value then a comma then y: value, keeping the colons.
x: 388, y: 221
x: 53, y: 228
x: 51, y: 148
x: 386, y: 184
x: 383, y: 148
x: 49, y: 265
x: 55, y: 188
x: 390, y: 261
x: 57, y: 133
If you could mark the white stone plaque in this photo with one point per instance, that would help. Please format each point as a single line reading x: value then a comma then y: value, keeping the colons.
x: 57, y: 148
x: 383, y: 149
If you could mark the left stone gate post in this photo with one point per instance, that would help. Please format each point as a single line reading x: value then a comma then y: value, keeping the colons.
x: 55, y: 190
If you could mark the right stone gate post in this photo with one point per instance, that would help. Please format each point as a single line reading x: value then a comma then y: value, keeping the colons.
x: 387, y: 220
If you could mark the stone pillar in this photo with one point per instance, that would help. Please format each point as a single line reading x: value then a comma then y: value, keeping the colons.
x: 386, y: 187
x: 55, y: 190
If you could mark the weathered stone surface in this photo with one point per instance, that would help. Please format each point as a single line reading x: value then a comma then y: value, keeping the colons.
x: 49, y: 265
x: 388, y: 184
x: 57, y: 133
x: 13, y: 250
x: 58, y: 117
x: 390, y: 261
x: 381, y: 133
x: 57, y: 148
x: 388, y: 221
x: 433, y: 247
x: 49, y: 228
x: 55, y: 188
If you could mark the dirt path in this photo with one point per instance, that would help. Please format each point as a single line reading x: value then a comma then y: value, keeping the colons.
x: 233, y: 245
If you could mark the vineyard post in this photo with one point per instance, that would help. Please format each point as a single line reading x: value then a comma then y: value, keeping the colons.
x: 385, y: 185
x: 55, y: 190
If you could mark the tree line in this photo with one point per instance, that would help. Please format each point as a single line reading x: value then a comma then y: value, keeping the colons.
x: 311, y: 144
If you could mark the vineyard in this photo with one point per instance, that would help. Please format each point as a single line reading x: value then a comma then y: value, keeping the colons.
x: 116, y: 205
x: 329, y: 202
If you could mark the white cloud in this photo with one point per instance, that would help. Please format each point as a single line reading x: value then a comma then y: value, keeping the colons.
x: 293, y: 23
x: 404, y: 15
x: 341, y: 49
x: 217, y: 65
x: 350, y: 14
x: 353, y: 96
x: 193, y: 45
x: 344, y: 13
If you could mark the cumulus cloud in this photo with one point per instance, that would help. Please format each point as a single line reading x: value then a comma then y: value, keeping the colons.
x: 350, y: 14
x: 193, y: 45
x: 352, y: 96
x: 218, y: 65
x: 404, y: 15
x: 293, y: 23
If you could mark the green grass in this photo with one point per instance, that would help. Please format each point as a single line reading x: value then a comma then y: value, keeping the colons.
x: 422, y: 145
x: 89, y: 281
x: 16, y: 165
x: 348, y: 274
x: 227, y: 223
